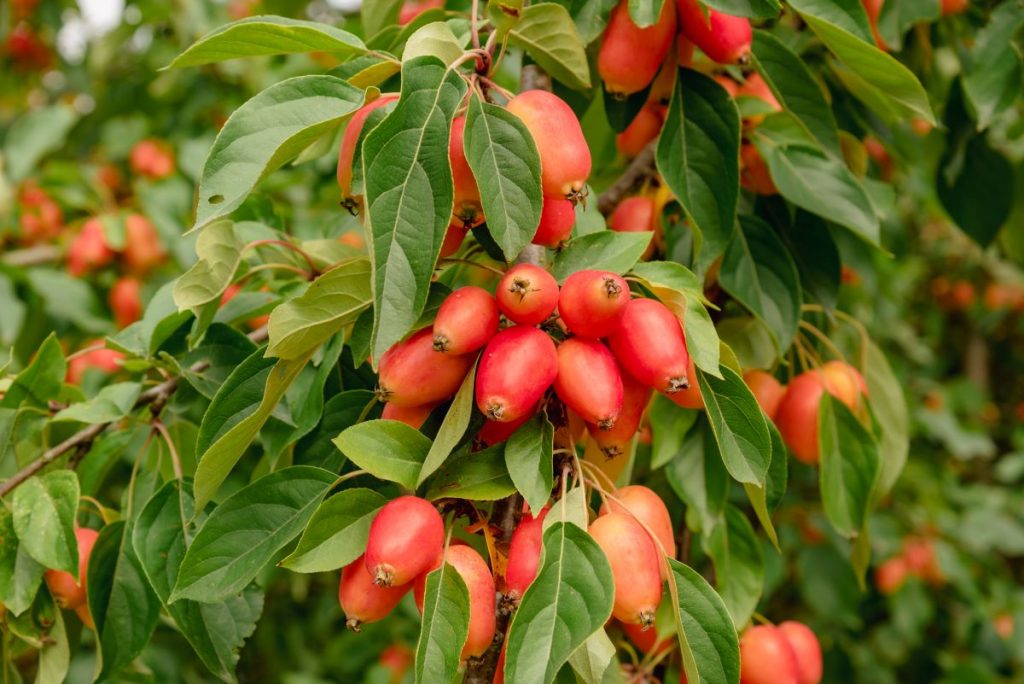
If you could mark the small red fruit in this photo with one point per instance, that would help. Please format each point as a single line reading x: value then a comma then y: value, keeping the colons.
x: 564, y: 155
x: 126, y: 301
x: 85, y: 616
x: 557, y: 218
x: 349, y: 140
x: 517, y: 367
x: 766, y: 657
x: 413, y: 374
x: 766, y: 389
x: 588, y: 381
x: 646, y: 640
x: 873, y: 8
x: 641, y: 131
x: 467, y: 320
x: 41, y: 218
x: 649, y: 343
x: 643, y: 504
x: 797, y: 414
x: 89, y: 249
x: 524, y: 554
x: 806, y: 648
x: 406, y: 539
x: 755, y: 175
x: 66, y: 591
x: 414, y: 8
x: 152, y: 159
x: 362, y: 600
x: 636, y: 567
x: 453, y: 238
x: 466, y: 208
x: 413, y: 416
x: 398, y: 659
x: 142, y: 247
x: 724, y: 38
x: 919, y: 553
x: 891, y: 574
x: 591, y: 303
x: 949, y: 7
x: 635, y: 397
x: 105, y: 360
x: 527, y: 294
x: 494, y: 432
x: 690, y: 397
x: 473, y: 570
x: 635, y: 215
x: 630, y: 56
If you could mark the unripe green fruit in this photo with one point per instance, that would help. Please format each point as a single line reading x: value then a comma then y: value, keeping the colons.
x: 467, y: 319
x: 361, y: 599
x: 588, y: 381
x: 66, y: 591
x: 406, y: 539
x: 649, y: 343
x: 630, y: 56
x: 564, y: 154
x: 724, y: 38
x: 527, y: 294
x: 635, y: 566
x: 591, y: 303
x: 517, y: 367
x: 413, y: 374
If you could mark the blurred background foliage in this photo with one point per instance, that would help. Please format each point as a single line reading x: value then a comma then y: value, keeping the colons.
x: 81, y: 85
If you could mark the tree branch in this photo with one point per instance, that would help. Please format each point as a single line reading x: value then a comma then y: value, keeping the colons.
x: 156, y: 397
x: 33, y: 256
x: 641, y: 168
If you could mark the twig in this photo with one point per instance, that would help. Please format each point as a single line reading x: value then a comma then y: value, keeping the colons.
x: 155, y: 397
x: 33, y: 256
x: 636, y: 173
x: 533, y: 77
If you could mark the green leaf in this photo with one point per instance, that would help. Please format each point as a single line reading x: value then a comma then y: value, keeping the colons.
x: 333, y: 301
x: 606, y: 250
x: 505, y: 163
x: 238, y: 412
x: 698, y: 476
x: 975, y: 185
x: 846, y: 15
x: 811, y: 179
x: 883, y: 83
x: 992, y: 81
x: 548, y: 34
x: 710, y: 645
x: 121, y: 602
x: 267, y: 35
x: 595, y: 661
x: 433, y: 40
x: 528, y: 459
x: 305, y: 398
x: 266, y: 132
x: 738, y: 425
x: 160, y: 537
x: 378, y: 14
x: 161, y: 320
x: 452, y: 429
x: 336, y: 534
x: 340, y: 412
x: 44, y: 519
x: 409, y: 194
x: 41, y: 380
x: 387, y: 449
x: 698, y: 157
x: 670, y: 427
x: 681, y: 291
x: 567, y: 603
x: 890, y: 410
x: 367, y: 71
x: 755, y: 9
x: 55, y: 655
x: 590, y: 16
x: 739, y: 565
x: 224, y: 348
x: 220, y: 252
x: 759, y: 273
x: 796, y: 89
x: 849, y: 467
x: 34, y: 135
x: 645, y: 13
x: 66, y: 298
x: 245, y: 532
x: 112, y: 403
x: 445, y: 626
x: 480, y: 476
x: 20, y: 574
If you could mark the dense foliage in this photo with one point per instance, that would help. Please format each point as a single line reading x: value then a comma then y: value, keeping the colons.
x: 760, y: 306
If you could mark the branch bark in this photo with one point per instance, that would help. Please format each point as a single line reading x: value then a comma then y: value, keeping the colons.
x: 33, y: 256
x: 156, y: 397
x: 641, y: 168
